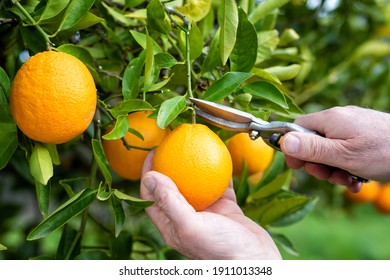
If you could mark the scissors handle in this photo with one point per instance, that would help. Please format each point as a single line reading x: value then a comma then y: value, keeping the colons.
x: 275, y: 138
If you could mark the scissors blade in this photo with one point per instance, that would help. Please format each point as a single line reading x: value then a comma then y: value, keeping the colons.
x: 224, y: 116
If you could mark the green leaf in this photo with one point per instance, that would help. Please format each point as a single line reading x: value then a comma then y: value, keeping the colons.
x: 41, y: 166
x: 284, y: 73
x: 53, y: 8
x: 149, y: 64
x: 169, y: 110
x: 63, y: 214
x: 241, y: 186
x: 375, y: 48
x: 264, y: 75
x: 5, y: 88
x: 121, y: 246
x: 226, y: 85
x: 195, y: 41
x: 102, y: 193
x: 159, y: 85
x: 119, y: 214
x: 279, y: 208
x: 131, y: 77
x: 281, y: 181
x: 229, y: 26
x: 289, y: 35
x: 117, y: 15
x: 140, y: 38
x: 128, y: 106
x: 66, y: 248
x: 213, y: 57
x: 244, y: 53
x: 267, y: 91
x: 195, y: 10
x: 2, y: 247
x: 74, y: 12
x: 296, y: 215
x: 101, y: 160
x: 133, y: 3
x: 273, y: 170
x: 156, y: 18
x: 43, y: 193
x: 87, y: 20
x: 55, y: 158
x: 164, y: 60
x: 8, y: 142
x: 32, y: 39
x: 267, y: 43
x: 79, y: 52
x: 265, y: 8
x: 284, y: 243
x: 120, y: 129
x: 133, y: 201
x: 206, y: 26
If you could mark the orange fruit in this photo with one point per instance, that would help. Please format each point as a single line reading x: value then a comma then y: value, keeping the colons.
x: 382, y: 203
x: 197, y: 160
x: 53, y: 97
x: 368, y: 193
x: 128, y: 163
x: 256, y: 154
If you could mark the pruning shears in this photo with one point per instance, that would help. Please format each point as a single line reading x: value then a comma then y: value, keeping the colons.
x: 235, y: 120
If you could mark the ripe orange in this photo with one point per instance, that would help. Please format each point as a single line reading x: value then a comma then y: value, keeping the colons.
x: 256, y: 154
x: 368, y: 193
x: 382, y: 203
x: 128, y: 163
x: 53, y: 97
x: 197, y: 160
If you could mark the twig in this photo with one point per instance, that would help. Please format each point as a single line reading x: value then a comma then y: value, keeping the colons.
x: 34, y: 23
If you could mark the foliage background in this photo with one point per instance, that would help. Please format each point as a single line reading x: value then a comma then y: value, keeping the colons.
x: 344, y: 54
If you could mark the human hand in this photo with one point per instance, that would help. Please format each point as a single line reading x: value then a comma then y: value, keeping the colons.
x: 221, y: 231
x: 355, y: 140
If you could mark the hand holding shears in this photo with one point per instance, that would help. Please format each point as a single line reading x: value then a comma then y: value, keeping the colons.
x: 235, y: 120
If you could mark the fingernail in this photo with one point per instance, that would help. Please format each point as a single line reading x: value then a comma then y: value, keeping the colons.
x: 149, y: 183
x: 292, y: 144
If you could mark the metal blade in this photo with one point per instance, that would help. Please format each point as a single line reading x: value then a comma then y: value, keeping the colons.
x: 225, y: 112
x: 222, y: 123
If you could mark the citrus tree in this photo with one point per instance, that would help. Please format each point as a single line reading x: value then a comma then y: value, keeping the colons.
x: 74, y: 199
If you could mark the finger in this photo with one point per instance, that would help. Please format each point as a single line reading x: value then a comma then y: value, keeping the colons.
x: 312, y: 148
x: 170, y: 206
x: 343, y: 178
x: 321, y: 172
x: 148, y: 162
x: 293, y: 162
x: 335, y: 176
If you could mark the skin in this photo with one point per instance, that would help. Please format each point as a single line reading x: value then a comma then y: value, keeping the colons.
x: 355, y: 142
x: 208, y: 234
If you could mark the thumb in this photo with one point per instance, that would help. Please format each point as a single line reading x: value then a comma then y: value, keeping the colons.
x: 311, y: 148
x: 169, y: 202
